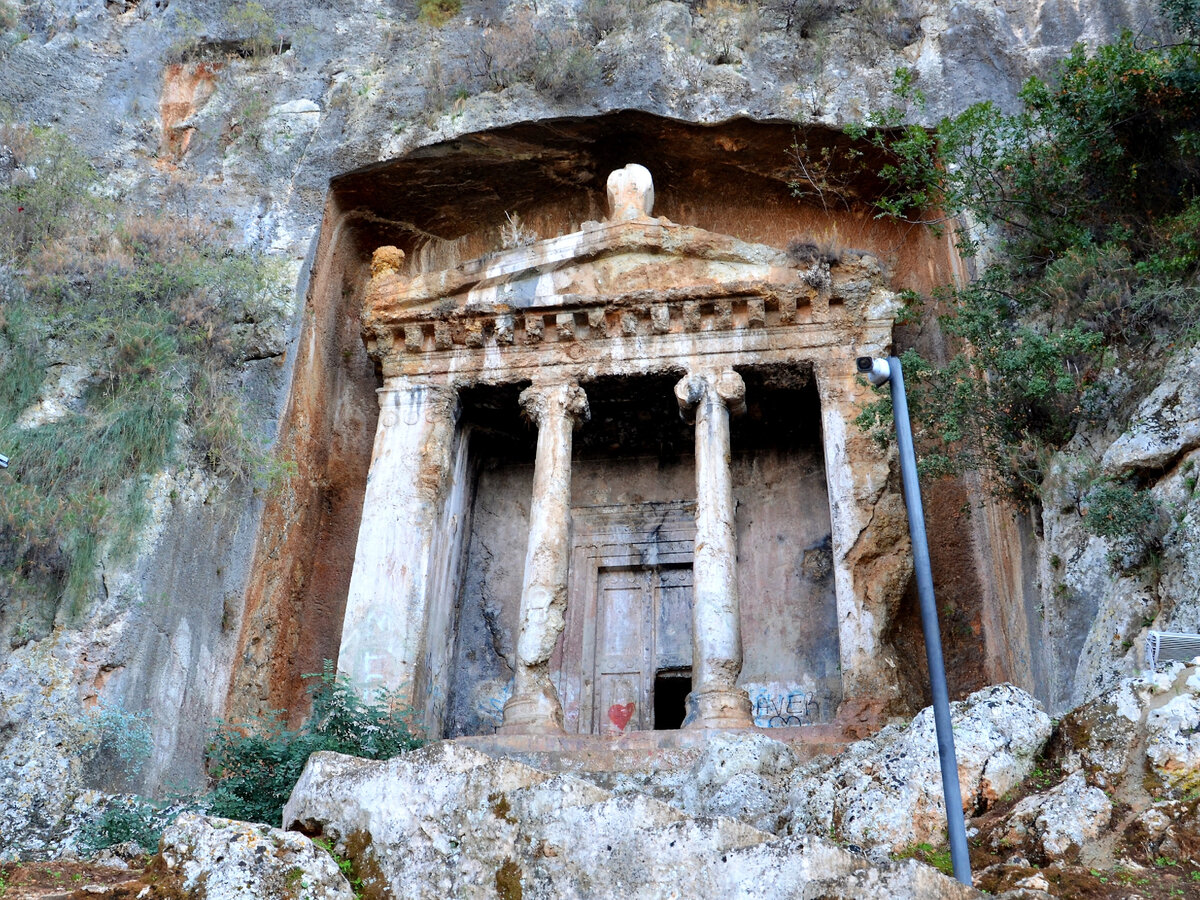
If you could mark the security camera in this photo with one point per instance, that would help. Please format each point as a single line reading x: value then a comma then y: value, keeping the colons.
x: 877, y: 371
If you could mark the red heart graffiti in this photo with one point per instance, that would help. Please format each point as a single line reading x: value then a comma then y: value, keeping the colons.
x: 620, y: 714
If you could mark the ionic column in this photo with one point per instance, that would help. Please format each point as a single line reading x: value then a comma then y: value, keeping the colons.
x: 383, y: 632
x: 715, y: 701
x: 534, y: 706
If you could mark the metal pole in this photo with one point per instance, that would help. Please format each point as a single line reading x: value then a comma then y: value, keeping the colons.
x: 955, y: 825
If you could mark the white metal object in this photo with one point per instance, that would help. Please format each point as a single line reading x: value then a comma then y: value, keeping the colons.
x: 1167, y: 646
x: 3, y: 462
x: 876, y: 370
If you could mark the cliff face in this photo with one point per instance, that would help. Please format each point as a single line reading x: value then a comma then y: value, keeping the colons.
x: 242, y: 115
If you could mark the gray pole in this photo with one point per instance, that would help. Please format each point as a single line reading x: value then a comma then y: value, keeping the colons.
x: 955, y: 825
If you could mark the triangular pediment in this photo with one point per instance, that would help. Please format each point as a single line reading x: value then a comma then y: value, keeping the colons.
x: 603, y: 262
x: 633, y: 276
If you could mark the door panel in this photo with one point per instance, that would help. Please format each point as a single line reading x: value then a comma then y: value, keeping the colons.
x: 622, y: 650
x: 673, y: 622
x: 643, y: 625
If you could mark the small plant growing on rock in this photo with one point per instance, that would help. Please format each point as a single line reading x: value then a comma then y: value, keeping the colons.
x: 154, y: 311
x: 1129, y: 518
x: 258, y: 33
x: 514, y: 233
x: 438, y: 12
x: 8, y: 20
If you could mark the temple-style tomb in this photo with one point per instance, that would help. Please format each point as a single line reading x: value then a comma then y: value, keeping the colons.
x: 616, y: 484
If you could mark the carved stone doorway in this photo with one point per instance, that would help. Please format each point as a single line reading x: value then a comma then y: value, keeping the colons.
x: 643, y: 641
x: 628, y: 634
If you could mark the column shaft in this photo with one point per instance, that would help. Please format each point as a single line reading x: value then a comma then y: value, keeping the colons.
x: 383, y: 633
x: 534, y: 706
x: 715, y: 701
x: 872, y: 559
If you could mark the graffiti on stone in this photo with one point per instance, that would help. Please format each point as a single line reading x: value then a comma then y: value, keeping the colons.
x: 780, y: 704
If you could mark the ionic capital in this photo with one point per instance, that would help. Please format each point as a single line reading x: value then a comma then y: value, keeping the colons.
x: 544, y: 402
x: 725, y: 386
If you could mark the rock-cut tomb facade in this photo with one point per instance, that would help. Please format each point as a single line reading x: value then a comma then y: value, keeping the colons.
x: 616, y: 485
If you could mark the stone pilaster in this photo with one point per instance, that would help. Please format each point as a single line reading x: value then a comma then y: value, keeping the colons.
x: 715, y: 701
x: 534, y: 706
x: 872, y: 555
x: 383, y: 632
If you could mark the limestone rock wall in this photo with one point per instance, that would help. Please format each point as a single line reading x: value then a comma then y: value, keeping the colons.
x: 1100, y: 595
x: 180, y: 108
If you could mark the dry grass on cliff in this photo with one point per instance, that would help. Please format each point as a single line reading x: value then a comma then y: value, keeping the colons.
x: 117, y: 326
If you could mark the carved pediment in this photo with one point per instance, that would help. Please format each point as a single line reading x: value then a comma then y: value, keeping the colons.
x: 629, y: 276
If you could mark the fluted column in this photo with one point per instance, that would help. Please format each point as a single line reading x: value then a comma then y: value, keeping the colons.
x: 534, y: 706
x: 715, y: 701
x: 383, y: 632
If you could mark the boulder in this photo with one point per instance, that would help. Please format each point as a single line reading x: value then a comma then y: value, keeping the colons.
x: 1057, y: 824
x: 885, y: 793
x: 221, y: 859
x: 448, y: 821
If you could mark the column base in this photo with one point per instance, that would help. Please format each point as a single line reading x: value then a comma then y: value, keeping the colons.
x: 533, y: 713
x: 721, y: 708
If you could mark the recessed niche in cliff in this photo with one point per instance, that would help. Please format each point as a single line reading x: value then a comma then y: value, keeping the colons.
x: 465, y: 198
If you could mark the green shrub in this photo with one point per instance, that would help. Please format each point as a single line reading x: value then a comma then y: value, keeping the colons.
x: 602, y: 17
x: 122, y: 736
x: 257, y: 31
x: 1184, y: 16
x: 1093, y: 191
x: 256, y: 764
x: 124, y: 820
x: 529, y: 49
x: 9, y: 17
x: 1128, y: 517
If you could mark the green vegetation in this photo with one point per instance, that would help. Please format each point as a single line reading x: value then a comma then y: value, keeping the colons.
x: 258, y: 33
x: 937, y: 857
x: 1091, y: 195
x: 118, y: 734
x: 1127, y: 516
x: 256, y: 764
x: 345, y: 866
x: 123, y: 821
x: 139, y: 315
x: 438, y: 12
x: 530, y: 49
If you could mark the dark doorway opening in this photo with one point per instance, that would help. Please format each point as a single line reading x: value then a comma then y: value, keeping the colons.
x: 671, y: 688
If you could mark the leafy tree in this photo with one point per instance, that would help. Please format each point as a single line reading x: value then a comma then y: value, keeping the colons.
x: 1091, y: 193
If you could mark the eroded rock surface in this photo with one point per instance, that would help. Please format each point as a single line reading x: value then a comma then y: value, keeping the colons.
x: 221, y: 859
x: 885, y: 793
x: 448, y: 821
x: 1057, y: 824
